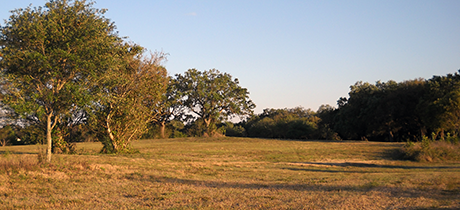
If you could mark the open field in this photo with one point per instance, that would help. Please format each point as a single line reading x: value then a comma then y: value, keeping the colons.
x: 228, y: 173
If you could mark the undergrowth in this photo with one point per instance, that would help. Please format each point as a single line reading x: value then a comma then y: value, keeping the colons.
x: 429, y: 150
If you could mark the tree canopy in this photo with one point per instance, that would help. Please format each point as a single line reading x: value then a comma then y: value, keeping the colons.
x: 52, y: 54
x: 212, y: 96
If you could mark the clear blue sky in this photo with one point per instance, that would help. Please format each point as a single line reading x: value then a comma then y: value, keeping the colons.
x: 294, y: 53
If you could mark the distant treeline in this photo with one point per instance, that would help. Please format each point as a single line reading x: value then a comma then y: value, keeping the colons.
x: 384, y: 111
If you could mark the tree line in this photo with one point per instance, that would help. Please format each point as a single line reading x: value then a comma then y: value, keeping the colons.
x: 385, y: 111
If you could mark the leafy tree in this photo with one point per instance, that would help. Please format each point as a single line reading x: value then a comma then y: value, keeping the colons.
x: 325, y: 126
x: 294, y: 123
x: 50, y: 56
x: 130, y: 98
x: 212, y: 96
x: 171, y: 107
x: 384, y: 111
x: 440, y: 106
x: 6, y: 134
x: 232, y: 129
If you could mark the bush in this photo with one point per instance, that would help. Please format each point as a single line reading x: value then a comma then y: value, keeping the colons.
x: 234, y: 130
x: 431, y: 151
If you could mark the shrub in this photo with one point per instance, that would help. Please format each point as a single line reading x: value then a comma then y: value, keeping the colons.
x: 431, y: 151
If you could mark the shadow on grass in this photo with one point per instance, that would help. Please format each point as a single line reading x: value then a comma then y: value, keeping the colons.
x: 17, y: 153
x: 395, y: 191
x: 326, y: 170
x: 371, y: 165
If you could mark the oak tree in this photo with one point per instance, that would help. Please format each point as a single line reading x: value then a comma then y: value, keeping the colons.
x: 51, y: 55
x: 212, y: 96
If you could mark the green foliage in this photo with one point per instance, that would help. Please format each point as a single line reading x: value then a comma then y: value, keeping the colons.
x: 33, y: 134
x: 452, y: 139
x: 211, y: 97
x: 295, y: 123
x: 391, y: 111
x: 130, y: 96
x: 386, y: 111
x: 431, y: 151
x: 170, y: 111
x: 52, y: 55
x: 7, y: 136
x: 236, y: 130
x: 173, y: 129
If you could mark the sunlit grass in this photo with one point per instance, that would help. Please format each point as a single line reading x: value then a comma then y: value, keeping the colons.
x: 223, y: 173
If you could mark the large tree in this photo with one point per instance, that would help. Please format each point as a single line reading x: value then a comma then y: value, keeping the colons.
x: 440, y: 106
x: 384, y: 111
x: 212, y: 96
x: 50, y: 56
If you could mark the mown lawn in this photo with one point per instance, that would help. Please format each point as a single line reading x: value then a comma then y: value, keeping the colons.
x: 228, y: 173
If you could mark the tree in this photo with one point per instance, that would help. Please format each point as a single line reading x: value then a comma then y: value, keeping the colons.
x: 439, y: 108
x: 212, y: 96
x: 130, y: 97
x: 384, y: 111
x: 171, y: 108
x: 5, y: 135
x: 293, y: 123
x: 51, y: 55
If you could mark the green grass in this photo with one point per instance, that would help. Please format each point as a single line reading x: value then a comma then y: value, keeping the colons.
x: 224, y: 173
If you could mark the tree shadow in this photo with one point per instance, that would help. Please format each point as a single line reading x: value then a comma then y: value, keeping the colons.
x: 326, y: 170
x: 372, y: 165
x: 17, y: 153
x: 395, y: 191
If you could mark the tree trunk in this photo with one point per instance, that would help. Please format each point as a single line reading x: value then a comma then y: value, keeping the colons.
x: 391, y: 136
x: 112, y: 138
x: 208, y: 129
x: 49, y: 141
x: 162, y: 129
x: 442, y: 134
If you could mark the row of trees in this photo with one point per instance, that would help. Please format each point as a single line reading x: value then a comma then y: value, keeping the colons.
x: 66, y: 70
x: 402, y: 111
x: 384, y: 111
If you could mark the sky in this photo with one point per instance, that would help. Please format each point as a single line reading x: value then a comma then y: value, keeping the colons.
x: 291, y: 53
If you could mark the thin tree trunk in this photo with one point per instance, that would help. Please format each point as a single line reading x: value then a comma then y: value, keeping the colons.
x: 390, y: 135
x: 49, y: 141
x: 208, y: 129
x: 112, y: 138
x: 162, y: 129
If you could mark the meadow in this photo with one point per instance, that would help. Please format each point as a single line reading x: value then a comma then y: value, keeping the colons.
x: 228, y: 173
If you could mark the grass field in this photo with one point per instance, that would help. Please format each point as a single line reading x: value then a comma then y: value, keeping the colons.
x: 228, y: 173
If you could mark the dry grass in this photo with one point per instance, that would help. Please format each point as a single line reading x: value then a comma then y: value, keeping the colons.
x: 432, y: 151
x: 228, y: 173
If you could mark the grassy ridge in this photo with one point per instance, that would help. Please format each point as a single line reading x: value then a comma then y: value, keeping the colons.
x: 223, y: 173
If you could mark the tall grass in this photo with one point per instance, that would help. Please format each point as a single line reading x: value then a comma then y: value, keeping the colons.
x: 429, y: 150
x: 10, y: 164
